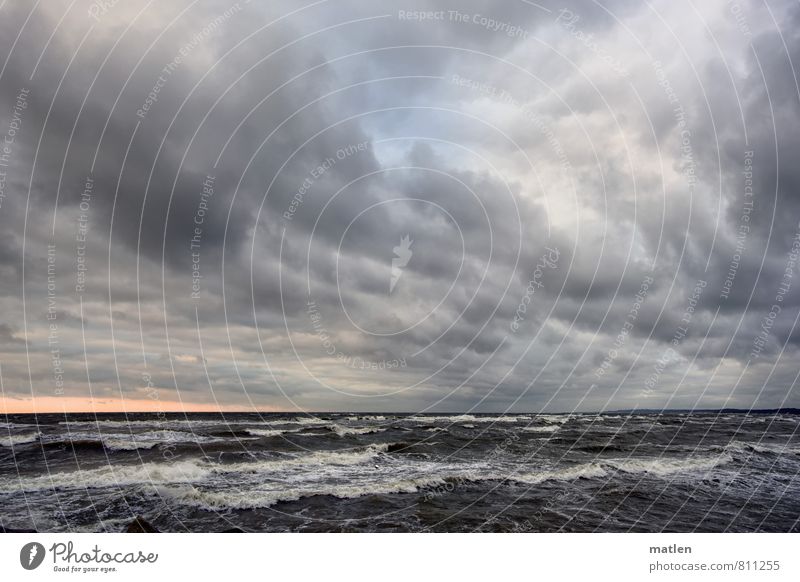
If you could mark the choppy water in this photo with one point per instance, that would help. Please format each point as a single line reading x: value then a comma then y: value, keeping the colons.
x: 368, y: 472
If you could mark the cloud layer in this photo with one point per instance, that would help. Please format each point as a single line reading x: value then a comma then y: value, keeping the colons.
x: 206, y: 203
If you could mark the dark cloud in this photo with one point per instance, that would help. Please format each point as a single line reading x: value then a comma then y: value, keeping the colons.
x: 289, y: 151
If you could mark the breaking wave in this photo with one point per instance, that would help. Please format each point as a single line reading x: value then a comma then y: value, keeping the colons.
x: 19, y: 439
x: 546, y: 428
x: 346, y: 430
x: 663, y: 467
x: 163, y: 473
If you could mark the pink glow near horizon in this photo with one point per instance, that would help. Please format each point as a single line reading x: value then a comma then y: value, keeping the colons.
x: 47, y: 404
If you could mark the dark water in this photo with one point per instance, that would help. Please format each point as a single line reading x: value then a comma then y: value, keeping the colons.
x: 367, y: 472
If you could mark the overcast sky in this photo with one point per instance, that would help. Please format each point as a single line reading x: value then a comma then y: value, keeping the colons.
x: 399, y: 206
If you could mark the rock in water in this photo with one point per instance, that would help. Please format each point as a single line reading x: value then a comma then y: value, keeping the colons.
x: 140, y: 525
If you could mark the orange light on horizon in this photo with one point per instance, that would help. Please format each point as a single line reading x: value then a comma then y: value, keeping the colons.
x: 60, y: 404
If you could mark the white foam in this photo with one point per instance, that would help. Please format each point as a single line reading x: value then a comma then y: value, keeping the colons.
x: 663, y: 467
x: 139, y: 424
x: 509, y: 418
x: 547, y: 428
x: 600, y: 469
x: 451, y: 419
x: 346, y: 430
x: 110, y: 476
x: 336, y: 428
x: 583, y: 471
x: 302, y: 420
x: 19, y: 439
x: 133, y: 441
x: 554, y: 418
x: 317, y: 458
x: 162, y: 473
x: 469, y: 418
x: 774, y: 448
x: 353, y: 483
x: 269, y: 432
x: 266, y: 497
x: 127, y: 445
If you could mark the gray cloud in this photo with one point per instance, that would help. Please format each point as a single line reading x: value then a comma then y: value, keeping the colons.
x: 486, y: 134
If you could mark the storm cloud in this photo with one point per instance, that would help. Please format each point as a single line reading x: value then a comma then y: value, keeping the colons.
x: 393, y: 206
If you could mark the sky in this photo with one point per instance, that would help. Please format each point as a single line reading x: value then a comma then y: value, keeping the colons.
x: 399, y: 206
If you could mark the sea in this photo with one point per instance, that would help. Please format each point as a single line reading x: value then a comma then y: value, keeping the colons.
x: 359, y: 472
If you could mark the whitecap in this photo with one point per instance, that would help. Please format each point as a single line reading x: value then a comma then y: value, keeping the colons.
x: 271, y: 432
x: 547, y: 428
x: 663, y: 467
x: 774, y: 448
x: 19, y: 439
x: 469, y: 418
x: 266, y: 497
x: 583, y: 471
x: 110, y: 476
x: 347, y: 431
x: 163, y: 473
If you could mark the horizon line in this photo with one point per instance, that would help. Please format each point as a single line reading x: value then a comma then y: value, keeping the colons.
x: 461, y: 412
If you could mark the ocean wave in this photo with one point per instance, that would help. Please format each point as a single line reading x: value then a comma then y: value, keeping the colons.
x: 270, y: 432
x: 584, y: 471
x: 316, y: 458
x: 16, y: 425
x: 468, y: 418
x: 547, y: 428
x: 283, y: 422
x: 144, y: 424
x: 110, y: 476
x: 301, y: 420
x: 663, y: 467
x: 111, y: 441
x: 127, y: 445
x: 451, y: 419
x: 766, y: 448
x: 19, y: 439
x: 132, y: 441
x: 189, y: 471
x: 148, y: 440
x: 389, y: 482
x: 188, y: 424
x: 554, y: 418
x: 598, y: 469
x: 334, y: 428
x: 256, y: 498
x: 347, y: 431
